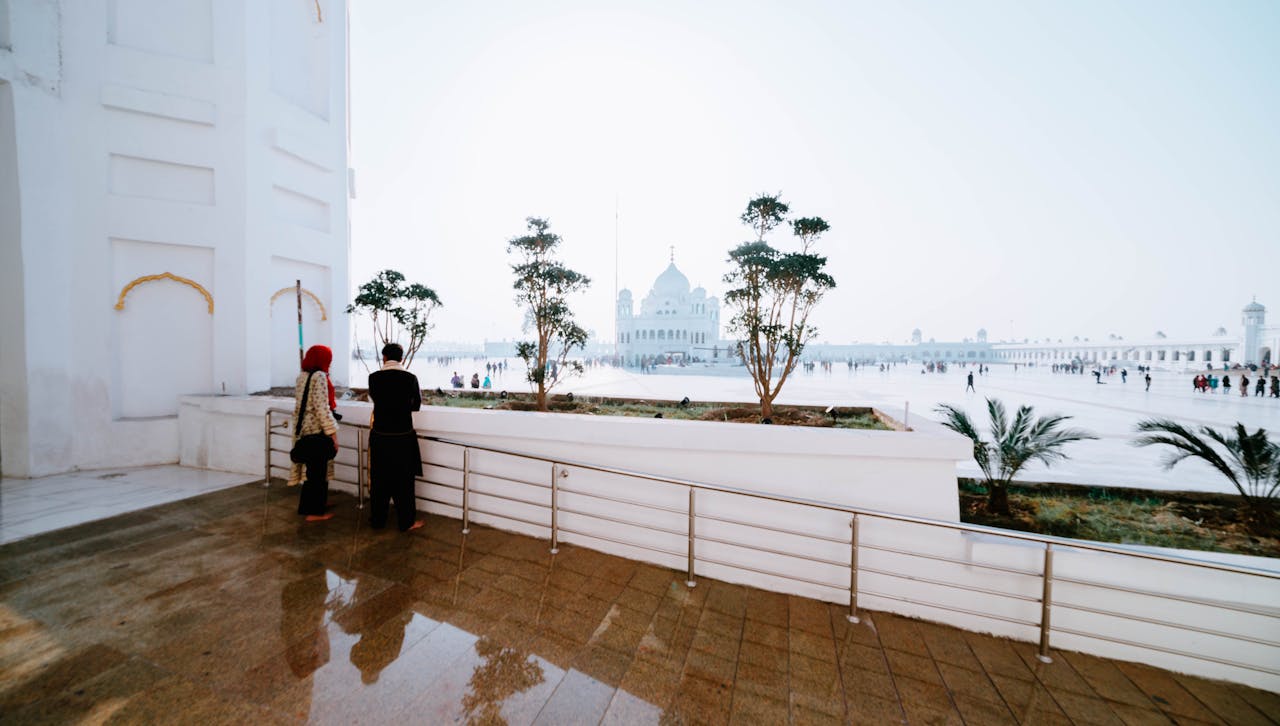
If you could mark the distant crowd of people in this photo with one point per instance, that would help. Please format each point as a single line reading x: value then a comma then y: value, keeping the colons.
x: 1209, y: 383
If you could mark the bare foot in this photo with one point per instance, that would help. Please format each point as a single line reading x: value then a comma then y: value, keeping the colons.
x: 319, y: 517
x: 415, y: 525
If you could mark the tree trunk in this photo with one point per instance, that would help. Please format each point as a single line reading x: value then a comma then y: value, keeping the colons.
x: 766, y: 408
x: 998, y: 499
x: 542, y: 397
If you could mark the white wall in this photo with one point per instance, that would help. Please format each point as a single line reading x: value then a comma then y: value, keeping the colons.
x: 154, y: 136
x: 907, y: 473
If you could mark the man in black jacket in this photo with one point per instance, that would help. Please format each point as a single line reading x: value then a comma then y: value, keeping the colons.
x: 394, y: 458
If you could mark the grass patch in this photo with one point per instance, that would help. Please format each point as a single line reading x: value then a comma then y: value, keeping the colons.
x: 1181, y: 520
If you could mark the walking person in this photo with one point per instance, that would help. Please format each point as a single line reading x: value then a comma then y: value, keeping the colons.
x: 1261, y: 388
x: 394, y: 458
x: 313, y: 414
x: 1148, y: 379
x: 1226, y: 385
x: 1275, y: 386
x: 970, y: 387
x: 1244, y: 385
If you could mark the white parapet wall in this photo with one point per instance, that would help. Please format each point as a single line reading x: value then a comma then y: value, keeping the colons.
x: 1172, y: 614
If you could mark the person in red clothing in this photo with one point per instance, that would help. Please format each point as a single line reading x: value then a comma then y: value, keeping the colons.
x: 315, y: 415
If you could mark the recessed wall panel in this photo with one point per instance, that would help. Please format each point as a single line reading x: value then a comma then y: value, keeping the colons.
x: 300, y: 209
x: 317, y: 314
x: 132, y: 176
x: 178, y: 28
x: 300, y: 53
x: 163, y: 334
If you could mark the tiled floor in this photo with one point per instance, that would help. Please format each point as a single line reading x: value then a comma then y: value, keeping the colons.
x: 226, y: 609
x: 33, y: 506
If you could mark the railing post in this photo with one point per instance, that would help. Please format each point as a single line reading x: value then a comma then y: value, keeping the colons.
x: 360, y: 468
x: 466, y: 490
x: 853, y: 570
x: 691, y: 582
x: 266, y: 451
x: 1046, y: 603
x: 555, y: 508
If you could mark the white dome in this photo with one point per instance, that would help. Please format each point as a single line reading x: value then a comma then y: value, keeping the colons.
x: 671, y: 283
x: 1254, y: 307
x: 624, y: 294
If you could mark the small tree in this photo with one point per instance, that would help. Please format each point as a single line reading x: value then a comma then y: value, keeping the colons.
x: 395, y: 309
x: 1250, y: 461
x: 1012, y: 445
x: 772, y: 295
x: 542, y: 284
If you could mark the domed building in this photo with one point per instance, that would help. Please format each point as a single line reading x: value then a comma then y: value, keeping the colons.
x: 674, y: 322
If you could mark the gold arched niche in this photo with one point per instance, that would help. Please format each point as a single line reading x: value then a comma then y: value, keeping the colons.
x: 124, y: 292
x: 323, y: 314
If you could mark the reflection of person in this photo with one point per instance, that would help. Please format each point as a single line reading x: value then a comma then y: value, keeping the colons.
x: 302, y: 608
x: 394, y: 459
x: 317, y: 417
x: 375, y: 652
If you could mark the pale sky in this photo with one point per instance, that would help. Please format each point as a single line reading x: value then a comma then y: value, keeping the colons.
x: 1035, y: 168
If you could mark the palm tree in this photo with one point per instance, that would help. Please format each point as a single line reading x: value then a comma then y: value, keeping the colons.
x: 1012, y: 445
x: 1251, y: 462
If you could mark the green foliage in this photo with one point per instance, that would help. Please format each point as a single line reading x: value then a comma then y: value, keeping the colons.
x: 772, y: 294
x: 542, y: 285
x: 395, y: 309
x: 1250, y: 461
x: 1013, y: 444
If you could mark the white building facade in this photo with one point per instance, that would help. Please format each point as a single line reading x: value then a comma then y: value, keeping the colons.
x: 674, y: 323
x: 1257, y: 346
x: 168, y: 169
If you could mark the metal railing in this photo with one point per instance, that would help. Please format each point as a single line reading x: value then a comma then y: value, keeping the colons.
x: 559, y: 469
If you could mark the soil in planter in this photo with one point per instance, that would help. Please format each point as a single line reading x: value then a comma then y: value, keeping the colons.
x: 1183, y: 520
x: 845, y: 418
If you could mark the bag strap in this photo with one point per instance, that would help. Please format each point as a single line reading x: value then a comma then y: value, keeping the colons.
x: 302, y: 406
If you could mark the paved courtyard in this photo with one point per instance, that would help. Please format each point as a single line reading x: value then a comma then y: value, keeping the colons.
x: 1110, y: 410
x: 225, y: 608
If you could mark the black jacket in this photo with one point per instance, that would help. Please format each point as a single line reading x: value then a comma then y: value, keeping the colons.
x: 395, y: 395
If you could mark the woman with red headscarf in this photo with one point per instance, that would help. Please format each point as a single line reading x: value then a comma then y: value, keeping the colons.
x: 316, y: 414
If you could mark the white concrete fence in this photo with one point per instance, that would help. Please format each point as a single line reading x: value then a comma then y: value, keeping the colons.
x: 780, y: 508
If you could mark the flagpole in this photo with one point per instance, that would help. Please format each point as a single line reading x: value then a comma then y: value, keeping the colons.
x: 298, y: 291
x: 615, y: 279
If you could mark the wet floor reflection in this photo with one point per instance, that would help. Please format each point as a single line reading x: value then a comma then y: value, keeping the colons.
x: 224, y: 620
x: 504, y: 673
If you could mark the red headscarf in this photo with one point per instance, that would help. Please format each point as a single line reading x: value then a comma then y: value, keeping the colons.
x: 318, y: 358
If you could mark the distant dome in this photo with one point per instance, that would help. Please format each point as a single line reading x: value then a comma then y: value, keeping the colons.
x: 699, y: 291
x: 671, y: 283
x: 1254, y: 307
x: 916, y: 333
x: 982, y: 332
x: 624, y: 294
x: 1220, y: 332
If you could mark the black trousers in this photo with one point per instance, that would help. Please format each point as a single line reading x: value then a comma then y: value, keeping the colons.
x: 385, y: 489
x: 315, y: 488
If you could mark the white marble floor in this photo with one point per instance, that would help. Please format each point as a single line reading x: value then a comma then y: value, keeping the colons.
x: 33, y: 506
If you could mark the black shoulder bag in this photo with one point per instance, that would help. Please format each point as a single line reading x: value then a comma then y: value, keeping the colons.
x: 311, y: 447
